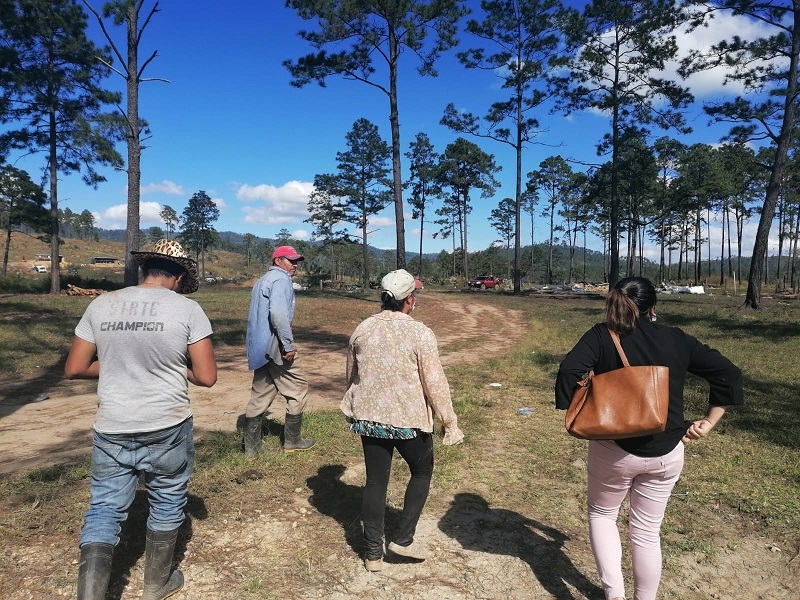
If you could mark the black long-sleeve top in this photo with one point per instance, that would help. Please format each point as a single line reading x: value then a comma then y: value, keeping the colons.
x: 653, y: 344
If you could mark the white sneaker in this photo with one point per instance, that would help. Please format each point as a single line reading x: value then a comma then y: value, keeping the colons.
x: 373, y: 566
x: 414, y: 551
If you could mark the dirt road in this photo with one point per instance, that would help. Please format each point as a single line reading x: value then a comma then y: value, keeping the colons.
x: 38, y: 433
x: 478, y: 551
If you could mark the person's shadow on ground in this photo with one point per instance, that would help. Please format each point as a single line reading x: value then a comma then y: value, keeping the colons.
x: 341, y: 501
x: 476, y: 526
x: 132, y: 540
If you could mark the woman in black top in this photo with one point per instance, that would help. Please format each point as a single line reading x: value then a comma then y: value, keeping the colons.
x: 648, y: 467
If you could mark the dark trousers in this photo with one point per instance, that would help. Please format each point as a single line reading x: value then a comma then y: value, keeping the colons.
x: 418, y: 454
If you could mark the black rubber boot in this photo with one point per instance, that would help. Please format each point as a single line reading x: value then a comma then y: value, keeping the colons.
x: 252, y: 436
x: 291, y: 435
x: 94, y: 571
x: 160, y: 581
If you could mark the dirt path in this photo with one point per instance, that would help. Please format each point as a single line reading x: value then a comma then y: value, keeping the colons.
x: 477, y: 551
x: 56, y: 430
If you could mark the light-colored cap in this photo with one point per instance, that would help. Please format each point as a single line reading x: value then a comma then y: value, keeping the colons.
x: 400, y: 284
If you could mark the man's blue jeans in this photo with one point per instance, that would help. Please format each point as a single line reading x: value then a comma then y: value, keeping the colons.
x: 166, y: 457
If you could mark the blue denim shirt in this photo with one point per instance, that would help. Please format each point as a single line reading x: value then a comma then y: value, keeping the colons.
x: 269, y: 321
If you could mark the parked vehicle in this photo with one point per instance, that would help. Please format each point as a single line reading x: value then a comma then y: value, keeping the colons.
x: 485, y: 282
x: 39, y: 268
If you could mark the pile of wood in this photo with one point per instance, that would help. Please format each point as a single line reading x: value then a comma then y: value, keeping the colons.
x: 74, y: 290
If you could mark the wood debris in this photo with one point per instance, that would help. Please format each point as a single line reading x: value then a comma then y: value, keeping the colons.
x: 74, y: 290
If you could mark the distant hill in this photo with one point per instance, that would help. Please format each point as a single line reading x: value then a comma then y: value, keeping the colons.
x: 587, y: 265
x: 231, y: 238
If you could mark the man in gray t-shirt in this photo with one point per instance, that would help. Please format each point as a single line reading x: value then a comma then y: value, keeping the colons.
x: 143, y: 344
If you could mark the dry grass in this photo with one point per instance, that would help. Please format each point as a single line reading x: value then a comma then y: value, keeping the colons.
x: 741, y: 480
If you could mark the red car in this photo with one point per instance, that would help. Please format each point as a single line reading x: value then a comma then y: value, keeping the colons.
x: 485, y: 282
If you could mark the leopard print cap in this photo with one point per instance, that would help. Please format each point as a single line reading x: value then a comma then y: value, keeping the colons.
x: 172, y: 250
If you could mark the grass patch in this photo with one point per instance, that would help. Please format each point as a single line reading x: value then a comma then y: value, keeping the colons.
x: 744, y: 478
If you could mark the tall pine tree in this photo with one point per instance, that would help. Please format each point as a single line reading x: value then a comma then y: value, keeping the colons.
x: 55, y: 98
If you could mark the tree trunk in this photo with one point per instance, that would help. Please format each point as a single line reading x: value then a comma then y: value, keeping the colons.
x: 661, y: 273
x: 397, y: 176
x: 55, y: 273
x: 465, y: 257
x: 518, y: 198
x: 781, y: 225
x: 550, y: 256
x: 739, y: 234
x: 708, y: 232
x: 730, y: 258
x: 722, y: 248
x: 757, y: 266
x: 613, y: 274
x: 421, y: 229
x: 364, y: 253
x: 134, y: 146
x: 794, y: 252
x: 7, y: 248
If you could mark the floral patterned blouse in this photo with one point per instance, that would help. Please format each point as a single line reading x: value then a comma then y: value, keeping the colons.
x: 395, y: 377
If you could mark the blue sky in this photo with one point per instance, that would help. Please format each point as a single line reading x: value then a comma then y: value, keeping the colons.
x: 229, y: 123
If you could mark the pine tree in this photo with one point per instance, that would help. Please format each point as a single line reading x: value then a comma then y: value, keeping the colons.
x: 197, y: 228
x: 362, y: 181
x: 22, y: 202
x: 55, y: 98
x: 136, y: 130
x: 620, y: 47
x: 526, y: 43
x: 358, y: 32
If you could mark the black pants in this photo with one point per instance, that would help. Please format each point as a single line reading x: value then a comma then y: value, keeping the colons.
x: 418, y: 454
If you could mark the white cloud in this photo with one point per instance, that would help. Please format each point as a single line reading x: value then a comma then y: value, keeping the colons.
x: 652, y: 251
x: 291, y: 191
x: 118, y: 213
x: 724, y: 26
x: 220, y: 203
x: 116, y: 217
x: 379, y: 221
x: 709, y: 84
x: 148, y: 213
x: 165, y: 187
x: 273, y: 205
x: 301, y: 234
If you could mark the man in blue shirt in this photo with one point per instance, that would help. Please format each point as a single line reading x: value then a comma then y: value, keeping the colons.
x: 271, y: 354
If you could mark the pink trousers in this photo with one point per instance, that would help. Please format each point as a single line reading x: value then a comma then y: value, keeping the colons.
x: 612, y: 474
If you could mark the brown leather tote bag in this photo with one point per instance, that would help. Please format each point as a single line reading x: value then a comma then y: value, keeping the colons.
x: 624, y: 403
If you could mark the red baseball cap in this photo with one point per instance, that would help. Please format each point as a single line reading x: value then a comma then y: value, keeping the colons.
x: 287, y: 252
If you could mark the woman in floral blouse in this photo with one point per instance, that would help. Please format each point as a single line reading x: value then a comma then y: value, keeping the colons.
x: 396, y: 385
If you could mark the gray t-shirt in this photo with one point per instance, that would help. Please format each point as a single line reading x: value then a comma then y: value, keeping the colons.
x: 142, y: 335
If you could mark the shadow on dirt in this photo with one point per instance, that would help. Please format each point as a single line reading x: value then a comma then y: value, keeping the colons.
x: 467, y: 521
x: 342, y: 502
x: 130, y: 549
x: 513, y: 534
x: 339, y: 500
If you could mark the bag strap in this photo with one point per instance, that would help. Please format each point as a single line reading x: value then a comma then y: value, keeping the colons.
x: 615, y: 338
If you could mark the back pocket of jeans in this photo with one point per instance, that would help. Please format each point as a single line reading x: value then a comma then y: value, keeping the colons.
x: 168, y: 459
x: 106, y: 459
